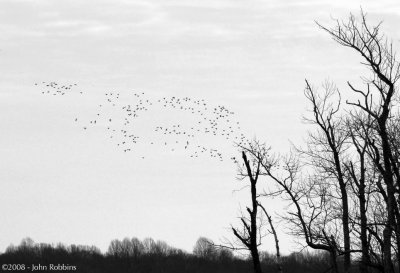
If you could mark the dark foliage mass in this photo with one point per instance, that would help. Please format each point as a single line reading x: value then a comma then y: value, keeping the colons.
x: 133, y: 255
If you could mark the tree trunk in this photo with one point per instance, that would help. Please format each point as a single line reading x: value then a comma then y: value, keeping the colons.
x: 334, y: 262
x: 256, y: 260
x: 345, y: 205
x: 391, y: 201
x: 363, y: 225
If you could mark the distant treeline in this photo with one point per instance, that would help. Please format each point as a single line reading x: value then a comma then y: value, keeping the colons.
x: 147, y: 256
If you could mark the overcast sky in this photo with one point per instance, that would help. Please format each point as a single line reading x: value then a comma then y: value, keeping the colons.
x: 61, y: 183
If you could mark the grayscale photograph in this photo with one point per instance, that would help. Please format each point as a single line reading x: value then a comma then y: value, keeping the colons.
x: 199, y: 136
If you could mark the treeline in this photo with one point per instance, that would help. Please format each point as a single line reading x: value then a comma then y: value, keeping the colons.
x: 147, y: 256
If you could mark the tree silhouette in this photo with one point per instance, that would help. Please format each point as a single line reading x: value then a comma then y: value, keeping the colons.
x: 377, y: 107
x: 343, y: 188
x: 204, y: 248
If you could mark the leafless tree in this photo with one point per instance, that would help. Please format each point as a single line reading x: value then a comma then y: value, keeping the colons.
x: 249, y: 235
x: 308, y: 212
x: 204, y: 248
x: 343, y: 187
x: 377, y: 102
x: 274, y: 233
x: 253, y: 223
x: 326, y: 149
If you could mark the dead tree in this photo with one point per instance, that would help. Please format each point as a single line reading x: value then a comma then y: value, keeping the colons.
x: 377, y: 100
x: 356, y: 170
x: 326, y: 149
x: 249, y: 235
x: 309, y: 213
x: 343, y: 189
x: 273, y: 231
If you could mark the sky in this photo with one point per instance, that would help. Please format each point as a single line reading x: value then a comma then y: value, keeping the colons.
x: 63, y: 183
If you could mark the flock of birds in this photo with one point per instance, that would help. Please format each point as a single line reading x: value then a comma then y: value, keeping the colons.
x: 53, y: 88
x: 187, y: 124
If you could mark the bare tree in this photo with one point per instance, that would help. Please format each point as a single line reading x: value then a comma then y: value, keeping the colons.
x: 273, y: 231
x: 253, y: 226
x: 249, y: 234
x: 326, y: 147
x: 308, y: 210
x: 377, y: 101
x: 343, y: 188
x: 204, y: 248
